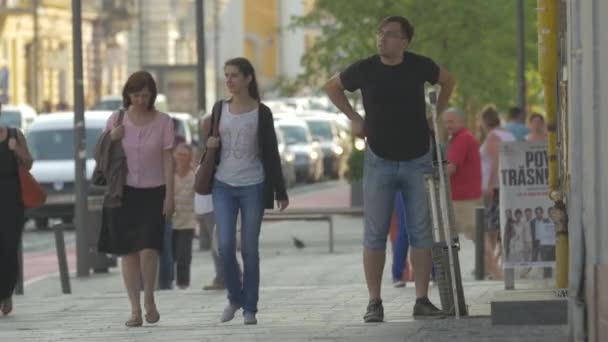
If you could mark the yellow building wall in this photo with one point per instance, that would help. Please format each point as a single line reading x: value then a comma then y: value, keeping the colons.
x: 261, y: 18
x: 55, y: 30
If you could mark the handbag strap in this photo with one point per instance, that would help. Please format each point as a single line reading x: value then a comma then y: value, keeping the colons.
x: 121, y: 117
x: 216, y: 113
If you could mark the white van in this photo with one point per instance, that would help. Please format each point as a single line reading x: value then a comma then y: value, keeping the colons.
x: 17, y: 116
x: 114, y: 102
x: 50, y: 139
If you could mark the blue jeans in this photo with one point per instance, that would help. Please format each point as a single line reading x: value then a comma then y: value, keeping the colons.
x: 401, y: 244
x: 382, y: 179
x: 165, y: 269
x: 227, y: 202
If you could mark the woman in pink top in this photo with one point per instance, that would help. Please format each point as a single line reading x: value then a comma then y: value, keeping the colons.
x: 135, y: 230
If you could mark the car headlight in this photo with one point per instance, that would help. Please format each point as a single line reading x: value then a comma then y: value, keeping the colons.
x: 289, y: 157
x: 338, y: 150
x: 359, y: 144
x: 314, y: 155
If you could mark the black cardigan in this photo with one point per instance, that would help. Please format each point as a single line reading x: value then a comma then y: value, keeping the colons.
x: 274, y: 184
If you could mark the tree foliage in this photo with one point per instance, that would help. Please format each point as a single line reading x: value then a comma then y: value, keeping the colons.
x: 474, y: 39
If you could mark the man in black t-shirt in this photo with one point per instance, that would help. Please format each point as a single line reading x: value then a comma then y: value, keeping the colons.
x: 397, y: 155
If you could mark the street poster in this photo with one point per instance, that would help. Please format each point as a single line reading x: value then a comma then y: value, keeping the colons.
x: 527, y: 231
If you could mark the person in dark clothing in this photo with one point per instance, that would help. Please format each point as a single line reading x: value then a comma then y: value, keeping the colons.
x: 13, y: 154
x: 398, y: 150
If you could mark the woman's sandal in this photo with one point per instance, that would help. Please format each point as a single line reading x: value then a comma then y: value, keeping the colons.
x: 6, y: 306
x: 152, y: 316
x: 134, y: 321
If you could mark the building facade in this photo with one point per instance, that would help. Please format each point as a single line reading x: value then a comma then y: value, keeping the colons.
x: 36, y: 65
x: 163, y: 41
x: 587, y: 168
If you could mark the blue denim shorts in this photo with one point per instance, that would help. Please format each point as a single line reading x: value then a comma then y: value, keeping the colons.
x: 382, y: 179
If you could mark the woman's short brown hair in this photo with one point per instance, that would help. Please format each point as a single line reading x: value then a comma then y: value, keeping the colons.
x: 489, y: 115
x: 137, y: 82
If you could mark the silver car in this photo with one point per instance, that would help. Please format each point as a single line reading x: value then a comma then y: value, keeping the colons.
x: 307, y: 153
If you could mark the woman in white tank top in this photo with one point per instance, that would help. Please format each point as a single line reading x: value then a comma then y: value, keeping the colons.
x: 489, y: 151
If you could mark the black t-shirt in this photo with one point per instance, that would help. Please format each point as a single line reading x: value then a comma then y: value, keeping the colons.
x: 394, y: 102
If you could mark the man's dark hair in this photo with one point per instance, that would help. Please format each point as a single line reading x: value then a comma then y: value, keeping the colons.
x: 515, y: 113
x: 406, y: 27
x: 536, y: 116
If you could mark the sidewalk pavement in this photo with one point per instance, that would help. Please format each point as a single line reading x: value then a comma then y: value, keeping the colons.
x: 305, y: 295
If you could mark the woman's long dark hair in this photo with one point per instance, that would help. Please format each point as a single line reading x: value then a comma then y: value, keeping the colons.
x: 246, y: 68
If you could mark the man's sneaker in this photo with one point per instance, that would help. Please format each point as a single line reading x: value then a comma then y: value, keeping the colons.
x: 229, y: 312
x: 398, y: 283
x: 375, y: 311
x: 249, y: 318
x: 424, y: 309
x: 214, y: 286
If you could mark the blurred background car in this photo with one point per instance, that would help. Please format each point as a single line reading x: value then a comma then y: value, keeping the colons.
x: 114, y: 102
x: 307, y: 153
x: 335, y: 147
x: 50, y: 139
x: 287, y: 159
x: 17, y: 116
x: 184, y: 126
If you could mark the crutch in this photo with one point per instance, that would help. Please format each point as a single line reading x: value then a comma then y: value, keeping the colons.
x: 444, y: 213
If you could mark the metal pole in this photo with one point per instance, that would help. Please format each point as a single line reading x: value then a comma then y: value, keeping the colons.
x: 216, y: 46
x: 62, y: 260
x: 140, y: 33
x: 521, y: 57
x: 200, y: 50
x: 36, y: 55
x: 479, y: 243
x: 80, y: 151
x: 444, y: 207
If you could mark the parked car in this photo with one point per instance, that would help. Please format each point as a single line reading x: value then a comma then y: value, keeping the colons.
x: 334, y: 144
x: 184, y: 124
x: 308, y: 154
x: 114, y: 102
x: 17, y: 116
x: 287, y: 159
x: 50, y: 139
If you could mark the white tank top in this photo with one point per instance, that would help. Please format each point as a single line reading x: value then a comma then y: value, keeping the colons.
x: 240, y: 162
x: 505, y: 136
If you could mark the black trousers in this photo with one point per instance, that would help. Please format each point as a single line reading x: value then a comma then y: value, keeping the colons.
x: 182, y: 255
x: 10, y: 239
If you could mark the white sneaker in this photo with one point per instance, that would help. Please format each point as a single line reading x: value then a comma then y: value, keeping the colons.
x: 250, y: 318
x: 398, y: 283
x: 229, y: 312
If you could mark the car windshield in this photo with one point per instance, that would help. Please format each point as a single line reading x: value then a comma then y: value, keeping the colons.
x: 295, y: 134
x: 59, y: 144
x: 320, y: 129
x: 11, y: 118
x: 108, y: 105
